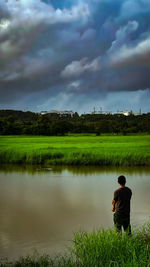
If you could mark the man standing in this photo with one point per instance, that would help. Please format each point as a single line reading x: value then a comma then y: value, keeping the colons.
x: 121, y: 206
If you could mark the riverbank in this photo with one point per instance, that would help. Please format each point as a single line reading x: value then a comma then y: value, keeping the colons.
x: 133, y: 150
x: 102, y: 248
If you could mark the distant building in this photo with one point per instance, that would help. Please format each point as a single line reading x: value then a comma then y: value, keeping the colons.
x: 128, y: 113
x: 137, y: 113
x: 106, y: 112
x: 43, y: 112
x: 70, y: 112
x: 100, y: 111
x: 58, y: 112
x: 62, y: 112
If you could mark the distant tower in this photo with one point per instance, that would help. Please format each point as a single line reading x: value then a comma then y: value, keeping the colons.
x: 101, y: 111
x: 94, y: 111
x: 140, y: 111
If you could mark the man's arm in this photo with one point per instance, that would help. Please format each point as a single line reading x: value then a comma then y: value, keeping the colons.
x: 115, y: 199
x: 113, y: 205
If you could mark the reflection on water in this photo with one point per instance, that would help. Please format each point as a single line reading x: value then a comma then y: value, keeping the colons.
x: 78, y: 170
x: 42, y: 207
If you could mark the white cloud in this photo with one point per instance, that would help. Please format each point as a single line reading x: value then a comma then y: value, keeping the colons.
x: 28, y: 13
x: 136, y: 54
x: 20, y: 27
x: 76, y: 68
x: 125, y: 51
x: 122, y: 35
x: 4, y: 25
x: 74, y: 84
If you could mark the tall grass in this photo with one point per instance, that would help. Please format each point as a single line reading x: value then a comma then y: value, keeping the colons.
x: 76, y: 150
x: 104, y: 248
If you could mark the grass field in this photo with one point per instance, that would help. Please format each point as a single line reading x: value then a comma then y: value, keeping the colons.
x: 103, y: 248
x: 76, y: 150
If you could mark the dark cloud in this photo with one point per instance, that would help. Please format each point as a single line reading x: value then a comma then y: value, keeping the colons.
x: 63, y: 53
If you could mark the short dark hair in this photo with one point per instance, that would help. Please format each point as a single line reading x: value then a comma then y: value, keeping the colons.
x: 122, y: 180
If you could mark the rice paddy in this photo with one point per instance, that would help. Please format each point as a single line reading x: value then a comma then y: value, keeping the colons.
x: 76, y: 150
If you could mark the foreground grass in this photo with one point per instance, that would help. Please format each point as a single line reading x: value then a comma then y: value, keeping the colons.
x: 76, y: 150
x: 99, y: 249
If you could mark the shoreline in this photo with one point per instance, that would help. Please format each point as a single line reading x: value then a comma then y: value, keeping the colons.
x: 97, y: 248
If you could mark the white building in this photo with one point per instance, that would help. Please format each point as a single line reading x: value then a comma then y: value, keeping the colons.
x: 43, y: 112
x: 58, y: 112
x: 62, y: 112
x: 128, y: 112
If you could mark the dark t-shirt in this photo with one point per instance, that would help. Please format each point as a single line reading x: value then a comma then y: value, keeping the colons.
x: 122, y: 198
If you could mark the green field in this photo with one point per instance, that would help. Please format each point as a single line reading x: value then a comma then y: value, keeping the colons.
x: 76, y: 150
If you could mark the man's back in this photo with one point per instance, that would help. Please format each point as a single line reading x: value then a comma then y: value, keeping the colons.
x: 122, y: 198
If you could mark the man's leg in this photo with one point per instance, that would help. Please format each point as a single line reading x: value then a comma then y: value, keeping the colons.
x: 126, y: 225
x: 117, y: 223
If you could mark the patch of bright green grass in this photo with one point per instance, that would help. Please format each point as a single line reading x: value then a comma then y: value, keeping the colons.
x: 76, y: 150
x: 106, y: 248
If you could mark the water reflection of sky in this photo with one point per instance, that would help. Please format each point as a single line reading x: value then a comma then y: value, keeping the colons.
x: 41, y: 208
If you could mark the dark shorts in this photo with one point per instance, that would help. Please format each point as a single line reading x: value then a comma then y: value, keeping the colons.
x: 122, y: 220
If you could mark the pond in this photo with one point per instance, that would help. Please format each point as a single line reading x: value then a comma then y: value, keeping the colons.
x: 41, y: 208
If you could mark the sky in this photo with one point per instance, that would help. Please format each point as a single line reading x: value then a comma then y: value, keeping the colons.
x: 75, y: 55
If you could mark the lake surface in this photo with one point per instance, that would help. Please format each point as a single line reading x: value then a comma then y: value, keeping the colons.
x: 42, y: 208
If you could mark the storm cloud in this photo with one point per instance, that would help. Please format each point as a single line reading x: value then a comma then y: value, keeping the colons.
x: 59, y: 54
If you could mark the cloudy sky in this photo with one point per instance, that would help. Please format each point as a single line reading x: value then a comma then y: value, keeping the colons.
x: 75, y: 54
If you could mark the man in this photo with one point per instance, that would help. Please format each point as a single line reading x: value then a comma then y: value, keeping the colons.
x: 121, y: 206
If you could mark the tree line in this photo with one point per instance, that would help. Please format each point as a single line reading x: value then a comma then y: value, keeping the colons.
x: 29, y: 123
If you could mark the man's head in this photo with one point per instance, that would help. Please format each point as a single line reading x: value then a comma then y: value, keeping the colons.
x: 121, y: 180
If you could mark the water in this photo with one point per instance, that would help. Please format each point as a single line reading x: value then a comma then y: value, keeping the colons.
x: 40, y: 209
